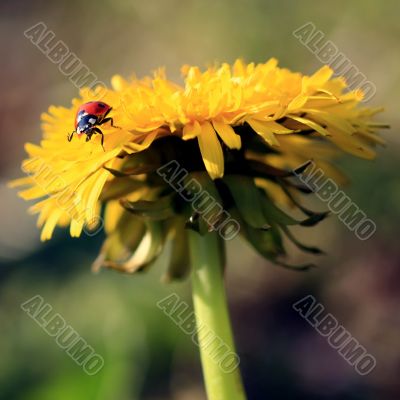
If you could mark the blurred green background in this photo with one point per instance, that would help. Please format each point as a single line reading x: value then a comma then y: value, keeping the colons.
x: 146, y: 355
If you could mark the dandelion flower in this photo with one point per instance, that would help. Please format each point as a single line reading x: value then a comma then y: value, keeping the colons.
x: 213, y: 154
x: 243, y: 126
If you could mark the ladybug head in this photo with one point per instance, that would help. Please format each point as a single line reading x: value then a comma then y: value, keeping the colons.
x: 86, y: 124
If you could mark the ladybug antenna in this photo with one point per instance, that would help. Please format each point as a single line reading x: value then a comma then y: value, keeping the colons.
x: 70, y: 135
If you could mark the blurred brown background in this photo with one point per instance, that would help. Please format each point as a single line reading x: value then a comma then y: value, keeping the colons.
x: 146, y: 356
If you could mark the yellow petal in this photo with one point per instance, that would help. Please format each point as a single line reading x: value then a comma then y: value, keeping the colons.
x: 264, y: 131
x: 190, y: 131
x: 34, y: 192
x: 277, y: 128
x: 118, y: 83
x: 20, y: 182
x: 112, y: 215
x: 76, y: 228
x: 297, y: 102
x: 50, y: 224
x: 94, y: 193
x: 211, y: 151
x: 318, y: 79
x: 135, y: 147
x: 228, y: 135
x: 332, y: 120
x: 352, y: 145
x: 372, y: 137
x: 311, y: 124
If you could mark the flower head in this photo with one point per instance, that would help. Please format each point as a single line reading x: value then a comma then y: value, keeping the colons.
x: 238, y: 130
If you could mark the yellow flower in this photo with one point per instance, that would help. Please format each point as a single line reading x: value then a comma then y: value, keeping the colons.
x: 70, y: 176
x: 224, y: 120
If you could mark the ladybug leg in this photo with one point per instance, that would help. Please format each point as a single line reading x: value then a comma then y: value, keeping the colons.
x: 97, y: 130
x: 70, y: 136
x: 109, y: 119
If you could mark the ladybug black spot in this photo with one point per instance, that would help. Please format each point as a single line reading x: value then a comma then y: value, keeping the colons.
x: 102, y: 105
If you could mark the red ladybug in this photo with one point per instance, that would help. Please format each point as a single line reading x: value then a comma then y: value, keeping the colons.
x: 89, y: 117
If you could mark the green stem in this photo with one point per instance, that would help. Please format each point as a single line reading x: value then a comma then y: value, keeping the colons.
x: 217, y: 350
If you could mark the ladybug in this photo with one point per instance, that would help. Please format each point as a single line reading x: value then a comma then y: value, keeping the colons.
x: 88, y: 119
